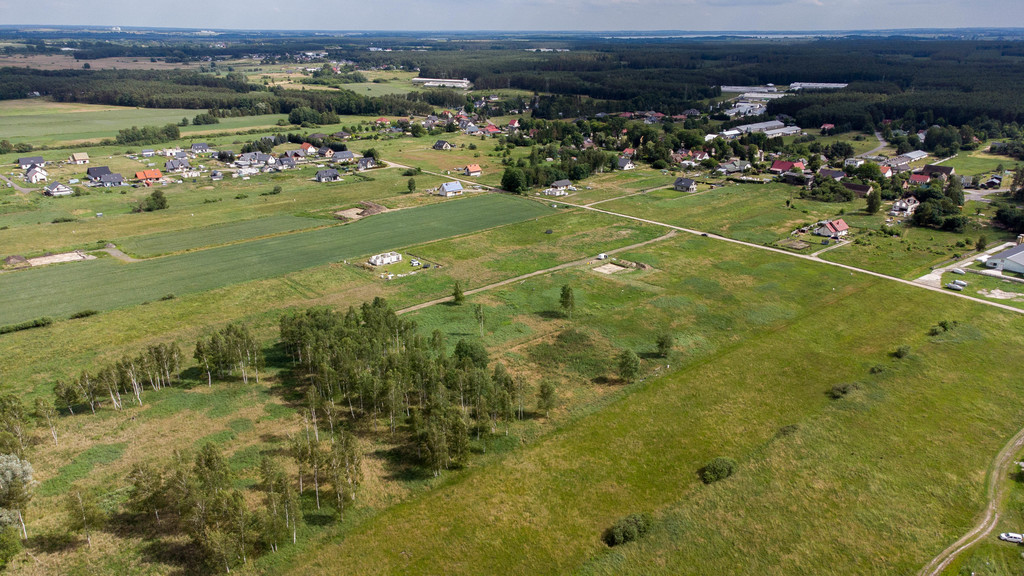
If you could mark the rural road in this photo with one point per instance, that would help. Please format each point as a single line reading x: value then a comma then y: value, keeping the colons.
x: 119, y: 255
x: 934, y: 278
x: 996, y: 474
x: 881, y: 145
x: 580, y: 262
x: 19, y: 189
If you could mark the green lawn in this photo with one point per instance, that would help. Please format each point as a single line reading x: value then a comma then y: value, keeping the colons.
x: 105, y: 283
x: 978, y: 163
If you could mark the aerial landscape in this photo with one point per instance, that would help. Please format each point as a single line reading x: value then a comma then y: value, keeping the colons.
x: 578, y: 293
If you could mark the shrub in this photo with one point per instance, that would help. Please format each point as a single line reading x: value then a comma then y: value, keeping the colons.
x: 902, y: 352
x: 718, y: 469
x: 83, y: 314
x: 167, y: 297
x: 37, y: 323
x: 62, y: 219
x: 10, y: 545
x: 840, y: 390
x: 628, y: 529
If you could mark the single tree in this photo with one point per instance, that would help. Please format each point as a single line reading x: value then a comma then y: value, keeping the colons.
x: 665, y: 342
x: 546, y: 397
x: 567, y: 300
x: 874, y: 202
x: 412, y: 185
x: 457, y: 296
x: 47, y: 414
x: 478, y: 312
x: 16, y: 486
x: 629, y: 365
x: 84, y: 513
x: 981, y: 243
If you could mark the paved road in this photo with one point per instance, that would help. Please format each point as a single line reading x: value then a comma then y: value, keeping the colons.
x: 580, y: 262
x: 934, y: 278
x: 15, y: 185
x: 119, y: 255
x: 881, y: 145
x: 995, y: 489
x: 982, y: 195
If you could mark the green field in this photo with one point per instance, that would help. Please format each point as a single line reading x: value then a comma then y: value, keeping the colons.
x: 978, y: 163
x: 753, y: 382
x: 168, y: 242
x: 104, y: 284
x: 41, y: 122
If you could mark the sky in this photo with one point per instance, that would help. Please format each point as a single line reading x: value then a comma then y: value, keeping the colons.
x: 523, y: 15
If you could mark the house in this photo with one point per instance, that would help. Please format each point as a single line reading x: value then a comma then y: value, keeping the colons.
x: 853, y: 162
x: 308, y: 148
x: 79, y: 158
x: 832, y: 228
x: 181, y: 155
x: 933, y: 171
x: 471, y: 129
x: 836, y: 175
x: 625, y: 164
x: 216, y: 175
x: 449, y: 189
x: 1011, y: 260
x: 200, y: 148
x: 443, y: 145
x: 699, y: 156
x: 780, y: 166
x: 329, y: 175
x: 366, y: 163
x: 797, y: 178
x: 918, y: 179
x: 35, y: 175
x: 343, y: 156
x: 561, y: 184
x: 385, y: 258
x: 491, y: 130
x: 734, y: 167
x: 317, y: 136
x: 993, y: 182
x: 170, y: 152
x: 473, y: 170
x: 148, y: 152
x: 861, y: 190
x: 685, y: 185
x: 513, y: 124
x: 148, y: 175
x: 827, y: 127
x: 112, y: 179
x: 96, y: 172
x: 176, y: 165
x: 630, y: 152
x: 30, y: 161
x: 904, y: 208
x: 886, y: 171
x: 285, y: 163
x: 58, y: 189
x: 341, y: 135
x: 325, y: 152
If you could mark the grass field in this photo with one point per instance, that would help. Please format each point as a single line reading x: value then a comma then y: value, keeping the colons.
x: 41, y: 122
x: 62, y: 290
x: 978, y: 163
x: 753, y: 387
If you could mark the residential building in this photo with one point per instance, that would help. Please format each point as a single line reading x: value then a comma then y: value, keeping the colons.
x: 625, y: 164
x: 58, y: 189
x: 832, y: 228
x: 366, y: 163
x: 35, y: 175
x: 329, y: 175
x: 385, y: 258
x: 449, y: 189
x: 904, y: 207
x: 473, y: 170
x: 96, y: 172
x: 30, y: 161
x: 685, y: 185
x: 79, y: 158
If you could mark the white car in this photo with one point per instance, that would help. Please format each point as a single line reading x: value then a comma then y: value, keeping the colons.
x: 1011, y: 537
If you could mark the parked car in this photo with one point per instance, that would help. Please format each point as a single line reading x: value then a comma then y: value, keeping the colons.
x: 1011, y: 537
x: 602, y: 256
x: 957, y: 271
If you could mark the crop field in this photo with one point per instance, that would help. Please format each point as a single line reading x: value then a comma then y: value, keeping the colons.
x: 845, y: 469
x: 168, y: 242
x: 63, y: 289
x: 42, y: 122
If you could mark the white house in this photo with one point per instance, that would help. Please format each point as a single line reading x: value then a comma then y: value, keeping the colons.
x: 385, y: 258
x: 904, y: 207
x: 473, y: 170
x: 36, y: 175
x: 449, y: 189
x: 79, y: 158
x: 853, y: 162
x: 1011, y: 260
x: 58, y: 189
x: 832, y: 228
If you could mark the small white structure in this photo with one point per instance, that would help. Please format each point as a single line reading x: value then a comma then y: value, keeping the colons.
x: 449, y: 189
x: 1011, y: 260
x: 853, y: 162
x: 79, y: 158
x: 385, y: 258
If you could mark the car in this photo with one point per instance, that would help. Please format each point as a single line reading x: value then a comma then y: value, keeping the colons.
x: 602, y: 256
x: 957, y: 271
x: 704, y: 234
x: 1011, y: 537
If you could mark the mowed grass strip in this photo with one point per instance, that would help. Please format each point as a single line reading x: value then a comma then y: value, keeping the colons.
x: 873, y: 483
x: 179, y: 241
x: 106, y: 284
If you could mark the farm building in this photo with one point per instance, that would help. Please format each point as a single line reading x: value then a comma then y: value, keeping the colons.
x: 79, y: 158
x: 385, y: 258
x: 449, y: 189
x: 329, y: 175
x: 58, y: 189
x: 473, y: 170
x: 832, y: 228
x: 685, y: 185
x: 1011, y: 260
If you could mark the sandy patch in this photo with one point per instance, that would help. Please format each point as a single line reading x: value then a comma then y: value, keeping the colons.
x: 1000, y: 294
x: 58, y: 258
x: 366, y: 209
x: 609, y: 268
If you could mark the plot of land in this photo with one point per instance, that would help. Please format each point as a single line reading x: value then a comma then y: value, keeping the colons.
x: 168, y: 242
x: 106, y: 284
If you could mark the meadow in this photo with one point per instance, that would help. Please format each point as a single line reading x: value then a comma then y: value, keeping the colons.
x: 65, y: 289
